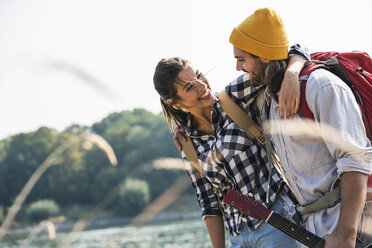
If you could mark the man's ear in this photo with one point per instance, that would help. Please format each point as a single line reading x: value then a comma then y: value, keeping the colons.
x: 265, y: 61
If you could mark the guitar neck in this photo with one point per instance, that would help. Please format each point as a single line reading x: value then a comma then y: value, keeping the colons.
x: 295, y: 231
x: 256, y: 210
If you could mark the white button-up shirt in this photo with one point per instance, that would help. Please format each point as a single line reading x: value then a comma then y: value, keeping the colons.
x: 313, y: 164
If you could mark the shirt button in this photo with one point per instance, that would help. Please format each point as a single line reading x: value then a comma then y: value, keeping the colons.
x: 244, y: 219
x: 205, y: 137
x: 250, y: 194
x: 236, y: 215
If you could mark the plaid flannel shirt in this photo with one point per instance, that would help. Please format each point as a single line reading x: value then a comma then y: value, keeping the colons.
x: 231, y: 159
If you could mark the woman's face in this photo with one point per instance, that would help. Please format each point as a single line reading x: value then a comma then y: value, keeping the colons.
x: 193, y: 93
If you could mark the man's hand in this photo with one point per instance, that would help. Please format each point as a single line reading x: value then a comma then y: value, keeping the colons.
x: 340, y: 240
x: 178, y: 135
x: 289, y: 95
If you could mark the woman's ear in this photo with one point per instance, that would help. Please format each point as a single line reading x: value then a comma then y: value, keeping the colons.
x: 172, y: 102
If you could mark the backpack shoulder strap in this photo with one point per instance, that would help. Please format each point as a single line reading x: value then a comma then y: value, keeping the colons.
x: 190, y: 152
x: 304, y: 110
x: 240, y: 117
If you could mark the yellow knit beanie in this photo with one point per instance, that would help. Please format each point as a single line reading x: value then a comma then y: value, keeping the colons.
x: 262, y: 34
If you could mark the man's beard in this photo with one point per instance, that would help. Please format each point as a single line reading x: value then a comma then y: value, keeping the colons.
x: 257, y: 75
x: 271, y: 74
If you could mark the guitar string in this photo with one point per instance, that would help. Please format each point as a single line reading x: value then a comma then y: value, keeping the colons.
x: 299, y: 232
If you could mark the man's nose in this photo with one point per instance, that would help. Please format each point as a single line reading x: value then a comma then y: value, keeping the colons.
x: 238, y: 66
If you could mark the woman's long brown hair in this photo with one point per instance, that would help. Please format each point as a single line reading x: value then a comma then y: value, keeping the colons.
x: 166, y: 74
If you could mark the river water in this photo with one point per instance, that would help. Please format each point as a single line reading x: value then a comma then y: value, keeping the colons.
x: 178, y: 234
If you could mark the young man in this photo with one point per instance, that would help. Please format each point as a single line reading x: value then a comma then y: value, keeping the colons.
x: 312, y: 165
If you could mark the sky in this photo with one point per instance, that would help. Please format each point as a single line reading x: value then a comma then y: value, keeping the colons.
x: 65, y: 62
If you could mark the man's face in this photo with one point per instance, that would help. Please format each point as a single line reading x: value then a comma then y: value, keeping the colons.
x: 251, y: 65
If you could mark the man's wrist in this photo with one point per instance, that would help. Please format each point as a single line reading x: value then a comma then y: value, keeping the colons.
x: 292, y: 73
x: 347, y: 231
x: 295, y: 65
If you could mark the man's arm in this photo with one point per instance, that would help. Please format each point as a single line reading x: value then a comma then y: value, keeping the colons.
x: 353, y: 197
x: 216, y: 231
x: 333, y: 104
x: 289, y: 94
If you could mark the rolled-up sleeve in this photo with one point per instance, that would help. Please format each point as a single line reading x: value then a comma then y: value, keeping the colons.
x: 299, y: 50
x: 334, y: 105
x: 206, y: 198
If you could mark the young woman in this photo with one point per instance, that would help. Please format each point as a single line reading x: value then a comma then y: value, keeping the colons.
x: 229, y: 158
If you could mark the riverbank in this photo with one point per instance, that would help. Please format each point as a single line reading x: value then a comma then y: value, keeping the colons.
x: 103, y: 222
x: 180, y: 234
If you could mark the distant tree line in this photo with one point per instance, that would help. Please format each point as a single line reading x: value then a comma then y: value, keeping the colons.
x: 84, y: 176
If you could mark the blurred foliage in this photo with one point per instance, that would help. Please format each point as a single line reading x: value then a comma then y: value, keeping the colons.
x: 84, y: 176
x: 42, y: 209
x: 133, y: 198
x: 75, y: 212
x: 1, y: 214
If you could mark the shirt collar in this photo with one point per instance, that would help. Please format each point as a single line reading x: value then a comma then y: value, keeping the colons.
x: 271, y: 98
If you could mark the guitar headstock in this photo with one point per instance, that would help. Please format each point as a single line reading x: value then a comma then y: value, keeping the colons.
x: 246, y: 205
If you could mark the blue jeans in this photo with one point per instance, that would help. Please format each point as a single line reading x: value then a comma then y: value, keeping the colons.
x: 265, y: 236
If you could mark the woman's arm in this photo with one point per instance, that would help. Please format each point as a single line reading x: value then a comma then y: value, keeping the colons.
x: 216, y: 231
x: 209, y: 204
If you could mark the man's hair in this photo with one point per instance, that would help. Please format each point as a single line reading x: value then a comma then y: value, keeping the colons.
x: 273, y: 74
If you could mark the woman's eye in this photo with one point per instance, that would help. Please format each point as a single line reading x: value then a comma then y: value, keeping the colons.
x: 199, y: 75
x: 189, y: 87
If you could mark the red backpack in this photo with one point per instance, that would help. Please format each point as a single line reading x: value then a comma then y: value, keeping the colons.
x: 355, y: 69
